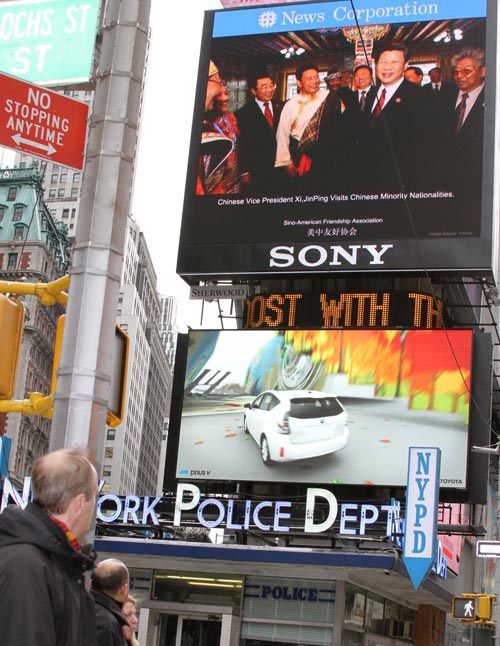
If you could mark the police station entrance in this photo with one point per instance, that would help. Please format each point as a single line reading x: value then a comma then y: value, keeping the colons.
x: 189, y: 630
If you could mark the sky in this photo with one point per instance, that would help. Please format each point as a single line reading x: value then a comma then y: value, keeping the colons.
x: 164, y: 145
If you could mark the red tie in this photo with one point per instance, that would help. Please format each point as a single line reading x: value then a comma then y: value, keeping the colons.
x: 380, y: 104
x: 268, y: 114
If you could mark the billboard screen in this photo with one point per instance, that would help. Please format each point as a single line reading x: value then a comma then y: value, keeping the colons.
x: 333, y: 180
x: 324, y: 406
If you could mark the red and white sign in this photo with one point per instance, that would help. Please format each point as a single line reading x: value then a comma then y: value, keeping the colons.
x: 42, y: 123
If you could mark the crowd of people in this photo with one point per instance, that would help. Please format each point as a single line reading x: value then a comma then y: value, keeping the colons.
x: 384, y: 132
x: 43, y: 562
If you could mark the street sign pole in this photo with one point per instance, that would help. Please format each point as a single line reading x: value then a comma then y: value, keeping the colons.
x: 84, y: 375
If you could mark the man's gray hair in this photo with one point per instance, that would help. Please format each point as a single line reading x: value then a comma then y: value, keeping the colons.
x: 59, y: 476
x: 473, y: 52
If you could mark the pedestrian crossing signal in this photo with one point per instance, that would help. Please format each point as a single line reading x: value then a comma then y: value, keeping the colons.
x: 473, y: 607
x: 464, y: 608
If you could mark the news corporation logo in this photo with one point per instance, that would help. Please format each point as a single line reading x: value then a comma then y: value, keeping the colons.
x: 267, y: 19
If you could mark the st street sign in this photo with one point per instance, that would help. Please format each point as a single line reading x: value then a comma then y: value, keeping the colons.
x: 49, y: 42
x: 42, y: 123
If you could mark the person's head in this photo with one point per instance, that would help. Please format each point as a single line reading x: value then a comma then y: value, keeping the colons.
x: 307, y: 76
x: 435, y: 75
x: 469, y: 69
x: 65, y: 485
x: 333, y: 78
x: 414, y: 74
x: 390, y: 63
x: 214, y: 85
x: 362, y: 77
x: 129, y: 611
x: 221, y: 100
x: 262, y: 87
x: 111, y: 578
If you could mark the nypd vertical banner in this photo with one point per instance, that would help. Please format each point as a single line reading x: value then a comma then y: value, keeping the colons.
x: 422, y: 497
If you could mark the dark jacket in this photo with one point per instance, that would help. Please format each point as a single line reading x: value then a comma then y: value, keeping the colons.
x: 257, y: 145
x: 109, y: 620
x: 44, y: 601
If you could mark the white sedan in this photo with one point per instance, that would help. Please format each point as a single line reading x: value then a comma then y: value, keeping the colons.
x: 296, y: 424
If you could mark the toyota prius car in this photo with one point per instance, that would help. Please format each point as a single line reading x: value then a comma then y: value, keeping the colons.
x: 296, y: 424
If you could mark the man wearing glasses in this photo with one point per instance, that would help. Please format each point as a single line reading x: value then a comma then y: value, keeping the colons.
x: 258, y: 121
x: 466, y: 124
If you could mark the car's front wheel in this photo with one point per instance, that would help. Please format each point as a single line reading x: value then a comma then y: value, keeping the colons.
x: 264, y: 450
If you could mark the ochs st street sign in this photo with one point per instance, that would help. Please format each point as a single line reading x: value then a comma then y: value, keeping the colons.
x: 42, y: 123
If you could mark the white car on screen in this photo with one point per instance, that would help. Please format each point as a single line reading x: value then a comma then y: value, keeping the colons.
x: 296, y: 424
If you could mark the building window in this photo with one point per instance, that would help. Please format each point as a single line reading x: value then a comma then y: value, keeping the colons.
x: 111, y: 434
x: 60, y: 192
x: 64, y: 176
x: 18, y: 213
x: 106, y: 472
x: 54, y: 177
x: 12, y: 194
x: 76, y: 177
x: 19, y: 232
x: 12, y: 261
x: 108, y: 452
x: 52, y: 192
x: 65, y: 213
x: 74, y: 191
x: 2, y: 212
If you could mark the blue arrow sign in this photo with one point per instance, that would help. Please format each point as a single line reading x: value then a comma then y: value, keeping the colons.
x: 422, y: 497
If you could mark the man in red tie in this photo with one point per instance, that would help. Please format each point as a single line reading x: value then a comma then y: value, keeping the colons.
x: 257, y: 121
x: 392, y: 143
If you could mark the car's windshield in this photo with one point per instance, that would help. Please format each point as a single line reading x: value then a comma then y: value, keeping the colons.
x: 307, y: 407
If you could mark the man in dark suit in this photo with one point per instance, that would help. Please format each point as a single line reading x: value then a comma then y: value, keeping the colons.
x: 437, y: 87
x: 363, y: 86
x: 257, y: 121
x: 466, y: 124
x: 392, y: 142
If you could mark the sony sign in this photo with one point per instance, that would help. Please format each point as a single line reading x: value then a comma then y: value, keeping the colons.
x: 315, y: 255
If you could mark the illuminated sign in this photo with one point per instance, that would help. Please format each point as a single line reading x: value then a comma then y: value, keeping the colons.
x: 345, y: 309
x: 48, y: 42
x: 414, y: 196
x: 422, y: 498
x: 350, y: 518
x: 384, y: 389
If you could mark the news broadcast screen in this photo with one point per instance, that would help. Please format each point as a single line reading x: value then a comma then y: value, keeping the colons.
x: 324, y: 406
x: 294, y: 170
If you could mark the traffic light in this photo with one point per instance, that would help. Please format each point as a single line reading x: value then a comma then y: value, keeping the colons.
x: 116, y: 404
x: 11, y: 334
x: 485, y: 607
x: 476, y: 608
x: 464, y: 607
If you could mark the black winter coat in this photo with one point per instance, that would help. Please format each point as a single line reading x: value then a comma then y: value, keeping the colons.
x: 109, y: 620
x: 44, y: 601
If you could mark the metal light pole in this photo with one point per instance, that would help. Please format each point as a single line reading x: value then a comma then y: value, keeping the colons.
x: 83, y: 385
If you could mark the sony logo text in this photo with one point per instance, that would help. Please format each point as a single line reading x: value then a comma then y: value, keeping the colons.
x: 316, y: 256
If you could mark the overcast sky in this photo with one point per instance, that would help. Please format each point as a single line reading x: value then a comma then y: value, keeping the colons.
x: 164, y: 142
